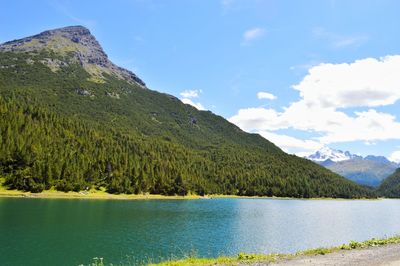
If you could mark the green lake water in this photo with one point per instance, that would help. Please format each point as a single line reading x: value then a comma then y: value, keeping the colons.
x: 72, y: 232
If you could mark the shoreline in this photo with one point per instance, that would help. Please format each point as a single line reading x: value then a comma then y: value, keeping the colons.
x: 102, y: 195
x: 90, y: 195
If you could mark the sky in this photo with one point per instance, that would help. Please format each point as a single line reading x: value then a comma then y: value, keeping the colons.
x: 303, y: 74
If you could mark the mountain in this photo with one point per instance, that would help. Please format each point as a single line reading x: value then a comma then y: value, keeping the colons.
x: 333, y: 155
x: 81, y: 46
x: 369, y: 170
x: 73, y: 120
x: 379, y: 159
x: 390, y: 187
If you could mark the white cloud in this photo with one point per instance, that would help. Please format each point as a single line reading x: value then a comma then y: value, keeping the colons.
x: 325, y: 92
x: 257, y: 119
x: 349, y: 41
x: 251, y: 35
x: 198, y: 106
x: 190, y: 93
x: 368, y: 126
x: 337, y: 40
x: 395, y: 157
x: 292, y: 145
x: 265, y: 95
x: 367, y: 82
x: 335, y: 126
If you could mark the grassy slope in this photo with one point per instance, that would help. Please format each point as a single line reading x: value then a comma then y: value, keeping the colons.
x: 150, y: 112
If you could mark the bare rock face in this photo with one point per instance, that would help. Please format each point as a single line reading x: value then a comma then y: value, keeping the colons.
x: 78, y: 42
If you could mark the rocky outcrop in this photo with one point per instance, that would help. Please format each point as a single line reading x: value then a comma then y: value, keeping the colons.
x: 78, y: 42
x: 83, y: 92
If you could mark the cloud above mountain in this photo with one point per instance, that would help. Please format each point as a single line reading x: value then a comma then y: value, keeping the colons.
x: 327, y: 94
x: 395, y: 156
x: 368, y: 82
x: 265, y: 95
x: 189, y: 95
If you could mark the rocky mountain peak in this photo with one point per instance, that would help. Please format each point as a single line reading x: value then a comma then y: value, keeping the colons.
x: 333, y: 155
x: 70, y: 32
x: 75, y: 41
x: 327, y: 153
x: 369, y: 170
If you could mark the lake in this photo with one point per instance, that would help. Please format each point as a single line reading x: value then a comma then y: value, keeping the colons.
x: 72, y: 232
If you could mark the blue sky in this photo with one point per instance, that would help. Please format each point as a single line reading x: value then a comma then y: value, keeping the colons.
x: 327, y: 69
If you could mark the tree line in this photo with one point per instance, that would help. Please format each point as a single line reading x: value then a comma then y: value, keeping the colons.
x: 40, y: 149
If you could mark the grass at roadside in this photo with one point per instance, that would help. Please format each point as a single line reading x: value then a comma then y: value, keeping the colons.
x: 243, y: 258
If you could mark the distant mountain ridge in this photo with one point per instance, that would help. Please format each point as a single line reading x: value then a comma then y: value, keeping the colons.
x: 369, y: 170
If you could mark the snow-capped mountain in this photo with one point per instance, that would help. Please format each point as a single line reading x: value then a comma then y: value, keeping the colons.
x: 333, y: 155
x: 369, y: 170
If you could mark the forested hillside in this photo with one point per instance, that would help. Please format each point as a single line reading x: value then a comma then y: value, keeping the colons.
x: 70, y: 119
x: 390, y: 187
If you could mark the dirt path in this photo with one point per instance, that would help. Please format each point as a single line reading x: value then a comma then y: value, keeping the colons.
x: 388, y: 255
